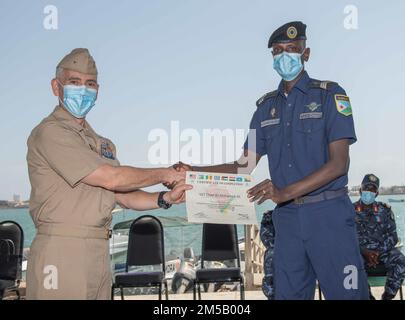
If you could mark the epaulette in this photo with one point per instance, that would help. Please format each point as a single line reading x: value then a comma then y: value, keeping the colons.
x: 389, y: 211
x: 268, y: 95
x: 386, y: 205
x: 325, y: 85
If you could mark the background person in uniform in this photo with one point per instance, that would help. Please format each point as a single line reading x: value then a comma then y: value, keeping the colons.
x: 305, y: 128
x: 76, y: 181
x: 267, y: 235
x: 378, y: 235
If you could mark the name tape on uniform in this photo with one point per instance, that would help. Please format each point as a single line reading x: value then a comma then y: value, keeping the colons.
x: 269, y: 122
x: 311, y: 115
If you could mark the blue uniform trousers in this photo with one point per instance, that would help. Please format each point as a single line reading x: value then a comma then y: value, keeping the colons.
x: 318, y: 241
x: 394, y: 261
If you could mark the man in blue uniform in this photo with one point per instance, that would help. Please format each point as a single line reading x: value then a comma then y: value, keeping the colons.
x: 305, y: 128
x: 267, y: 236
x: 378, y: 235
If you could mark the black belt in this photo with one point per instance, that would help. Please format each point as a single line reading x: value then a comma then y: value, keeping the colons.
x: 74, y: 231
x: 326, y: 195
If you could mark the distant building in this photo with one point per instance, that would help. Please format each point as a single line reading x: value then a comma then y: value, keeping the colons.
x: 355, y: 188
x: 17, y: 198
x: 354, y: 191
x: 398, y: 189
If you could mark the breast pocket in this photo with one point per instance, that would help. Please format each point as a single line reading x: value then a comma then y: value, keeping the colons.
x: 310, y: 126
x: 312, y: 137
x: 273, y: 144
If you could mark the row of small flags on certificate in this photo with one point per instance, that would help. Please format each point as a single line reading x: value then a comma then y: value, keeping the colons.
x: 220, y: 178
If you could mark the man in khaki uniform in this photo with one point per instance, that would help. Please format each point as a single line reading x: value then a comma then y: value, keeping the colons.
x: 76, y: 182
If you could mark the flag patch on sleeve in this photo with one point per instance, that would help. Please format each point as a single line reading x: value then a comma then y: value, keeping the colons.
x: 343, y: 105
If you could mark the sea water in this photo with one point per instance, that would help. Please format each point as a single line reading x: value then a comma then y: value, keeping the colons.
x: 179, y: 237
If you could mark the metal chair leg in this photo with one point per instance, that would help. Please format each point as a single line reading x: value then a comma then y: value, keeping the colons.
x: 199, y: 291
x: 242, y: 290
x: 194, y: 290
x: 112, y: 292
x: 122, y: 293
x: 167, y: 291
x: 160, y: 291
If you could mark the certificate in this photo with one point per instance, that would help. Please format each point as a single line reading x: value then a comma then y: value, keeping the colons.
x: 219, y: 198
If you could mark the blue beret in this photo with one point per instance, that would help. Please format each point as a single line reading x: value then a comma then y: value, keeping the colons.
x: 290, y: 31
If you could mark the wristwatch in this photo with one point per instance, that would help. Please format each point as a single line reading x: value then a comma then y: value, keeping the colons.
x: 161, y: 202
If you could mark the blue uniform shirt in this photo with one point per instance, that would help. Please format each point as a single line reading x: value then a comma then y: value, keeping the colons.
x: 376, y: 228
x: 295, y: 131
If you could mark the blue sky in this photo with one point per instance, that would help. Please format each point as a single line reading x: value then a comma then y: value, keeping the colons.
x: 203, y: 63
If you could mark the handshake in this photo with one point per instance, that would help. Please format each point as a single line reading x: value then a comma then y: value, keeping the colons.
x: 174, y: 179
x: 176, y: 175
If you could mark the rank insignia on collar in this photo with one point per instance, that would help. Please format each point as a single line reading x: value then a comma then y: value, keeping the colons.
x: 273, y: 112
x: 313, y: 106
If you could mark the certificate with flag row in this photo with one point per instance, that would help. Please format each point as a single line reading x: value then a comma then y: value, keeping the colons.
x: 219, y: 198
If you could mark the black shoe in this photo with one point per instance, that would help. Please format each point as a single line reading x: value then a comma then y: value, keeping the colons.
x: 387, y: 296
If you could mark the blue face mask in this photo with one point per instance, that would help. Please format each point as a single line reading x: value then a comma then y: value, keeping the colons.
x: 368, y: 197
x: 288, y: 65
x: 79, y: 100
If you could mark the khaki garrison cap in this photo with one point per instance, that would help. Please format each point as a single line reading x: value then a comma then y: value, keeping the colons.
x: 79, y: 60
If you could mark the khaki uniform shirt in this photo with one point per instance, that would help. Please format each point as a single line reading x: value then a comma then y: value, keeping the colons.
x: 61, y: 153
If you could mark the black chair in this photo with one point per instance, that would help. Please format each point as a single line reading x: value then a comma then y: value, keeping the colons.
x: 11, y: 255
x: 219, y: 243
x: 381, y: 271
x: 145, y: 247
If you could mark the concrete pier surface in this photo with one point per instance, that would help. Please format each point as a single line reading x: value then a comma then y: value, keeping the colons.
x: 227, y: 295
x: 234, y: 295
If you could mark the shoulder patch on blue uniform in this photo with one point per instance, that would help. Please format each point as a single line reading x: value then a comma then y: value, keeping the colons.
x: 343, y: 105
x: 266, y: 96
x: 325, y: 85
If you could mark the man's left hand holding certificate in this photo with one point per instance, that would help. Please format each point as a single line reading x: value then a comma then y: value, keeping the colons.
x: 219, y: 198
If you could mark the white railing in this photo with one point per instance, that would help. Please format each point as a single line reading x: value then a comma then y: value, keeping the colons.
x: 254, y: 256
